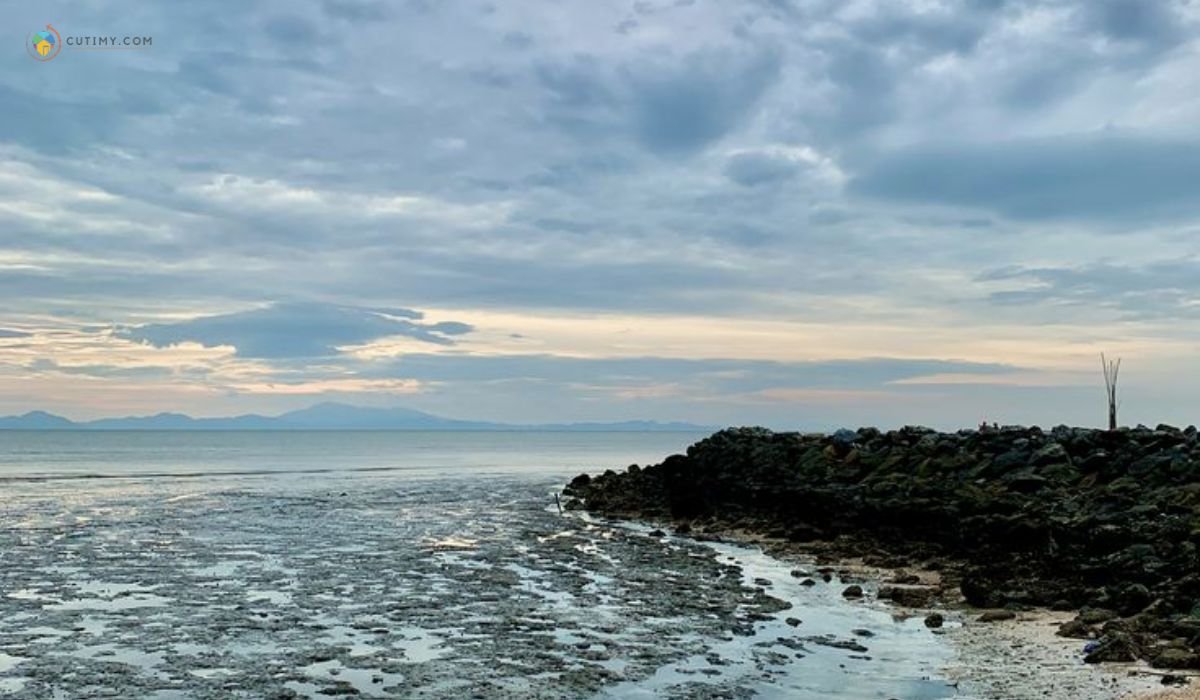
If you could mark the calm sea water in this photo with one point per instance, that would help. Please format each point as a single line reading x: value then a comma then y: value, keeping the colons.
x: 30, y: 454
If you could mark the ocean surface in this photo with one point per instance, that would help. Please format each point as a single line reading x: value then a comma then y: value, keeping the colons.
x: 400, y: 564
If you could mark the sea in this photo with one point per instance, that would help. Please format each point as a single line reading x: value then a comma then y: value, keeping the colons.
x: 402, y: 565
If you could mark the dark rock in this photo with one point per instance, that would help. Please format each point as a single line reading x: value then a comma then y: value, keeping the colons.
x: 934, y: 620
x: 1174, y: 658
x: 854, y: 591
x: 997, y: 616
x: 907, y: 596
x: 1116, y: 646
x: 1014, y: 516
x: 1075, y: 629
x: 1096, y: 616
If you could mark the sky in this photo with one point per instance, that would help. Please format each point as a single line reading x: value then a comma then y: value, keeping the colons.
x: 795, y: 213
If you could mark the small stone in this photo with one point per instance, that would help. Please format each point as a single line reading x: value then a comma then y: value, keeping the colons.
x: 854, y: 591
x: 934, y: 620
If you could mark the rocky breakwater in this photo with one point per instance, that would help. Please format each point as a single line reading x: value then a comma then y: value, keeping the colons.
x: 1106, y: 523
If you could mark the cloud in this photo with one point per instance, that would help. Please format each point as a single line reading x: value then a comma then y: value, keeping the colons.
x: 296, y: 330
x: 52, y: 123
x: 751, y: 169
x: 289, y: 30
x: 1163, y: 289
x: 42, y: 365
x: 1097, y: 177
x: 824, y: 166
x: 669, y: 105
x: 774, y: 164
x: 356, y: 10
x: 7, y: 333
x: 720, y: 376
x: 1155, y: 23
x: 681, y: 108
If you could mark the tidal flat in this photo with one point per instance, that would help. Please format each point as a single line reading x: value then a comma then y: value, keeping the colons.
x: 464, y: 587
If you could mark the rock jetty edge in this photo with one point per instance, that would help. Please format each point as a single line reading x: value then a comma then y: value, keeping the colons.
x: 1105, y: 523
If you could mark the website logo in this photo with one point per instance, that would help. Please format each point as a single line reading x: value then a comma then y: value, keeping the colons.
x: 44, y: 45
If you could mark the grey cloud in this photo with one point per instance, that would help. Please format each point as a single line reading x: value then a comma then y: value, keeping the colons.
x: 926, y: 32
x: 104, y: 371
x: 290, y: 30
x: 295, y: 330
x: 586, y: 139
x: 751, y: 169
x: 518, y: 40
x: 1101, y: 177
x: 1156, y: 22
x: 6, y: 333
x: 669, y: 105
x: 1159, y: 290
x: 356, y: 10
x: 684, y: 108
x: 722, y: 376
x: 53, y: 124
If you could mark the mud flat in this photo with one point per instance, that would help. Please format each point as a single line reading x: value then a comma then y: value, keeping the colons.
x: 382, y: 588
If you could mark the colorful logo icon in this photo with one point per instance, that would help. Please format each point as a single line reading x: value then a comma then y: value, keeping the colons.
x: 44, y: 45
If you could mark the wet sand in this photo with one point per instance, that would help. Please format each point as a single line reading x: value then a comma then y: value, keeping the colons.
x: 1019, y: 659
x: 1191, y: 693
x: 461, y: 588
x: 453, y: 588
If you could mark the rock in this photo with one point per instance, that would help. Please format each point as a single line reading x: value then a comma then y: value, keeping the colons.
x: 1176, y: 659
x: 1096, y: 616
x: 792, y: 621
x: 909, y: 597
x: 997, y: 616
x: 1116, y: 646
x: 847, y: 644
x: 934, y: 620
x: 845, y: 437
x: 578, y: 484
x: 1073, y: 518
x: 1132, y: 599
x: 854, y: 591
x: 1053, y: 453
x: 808, y: 582
x: 1076, y: 629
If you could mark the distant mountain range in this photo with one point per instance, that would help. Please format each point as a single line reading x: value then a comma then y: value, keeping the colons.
x: 324, y: 416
